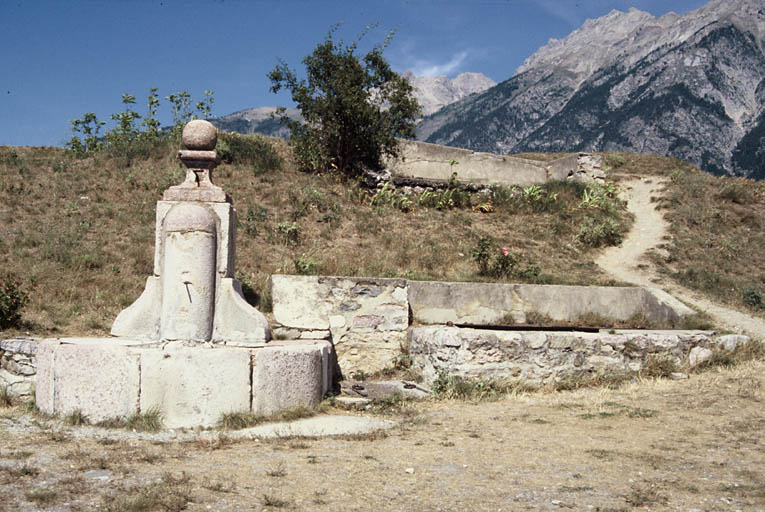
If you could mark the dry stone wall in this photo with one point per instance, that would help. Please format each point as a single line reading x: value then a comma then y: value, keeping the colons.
x: 541, y: 357
x: 18, y: 366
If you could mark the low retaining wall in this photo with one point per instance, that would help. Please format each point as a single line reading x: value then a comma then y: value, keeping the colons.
x: 540, y: 357
x: 18, y: 366
x: 368, y: 318
x: 434, y: 162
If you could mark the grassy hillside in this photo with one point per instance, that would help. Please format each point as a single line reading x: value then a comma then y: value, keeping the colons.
x: 78, y: 233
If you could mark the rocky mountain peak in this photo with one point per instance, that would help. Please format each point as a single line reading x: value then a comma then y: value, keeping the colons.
x: 435, y: 92
x: 689, y: 86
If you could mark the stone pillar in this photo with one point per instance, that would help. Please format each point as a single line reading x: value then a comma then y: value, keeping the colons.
x: 193, y: 296
x: 188, y: 283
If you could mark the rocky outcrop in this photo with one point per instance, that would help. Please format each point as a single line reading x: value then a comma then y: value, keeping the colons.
x: 260, y: 120
x: 435, y: 92
x: 687, y: 86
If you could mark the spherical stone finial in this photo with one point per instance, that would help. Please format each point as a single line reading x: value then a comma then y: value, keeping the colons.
x: 200, y: 135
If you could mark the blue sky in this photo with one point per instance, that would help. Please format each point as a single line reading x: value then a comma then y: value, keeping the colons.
x: 63, y: 58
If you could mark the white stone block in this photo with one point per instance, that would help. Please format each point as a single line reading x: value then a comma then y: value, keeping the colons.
x: 235, y: 319
x: 698, y: 355
x: 195, y: 386
x: 141, y: 319
x: 297, y: 302
x: 100, y: 379
x: 286, y: 375
x: 44, y: 386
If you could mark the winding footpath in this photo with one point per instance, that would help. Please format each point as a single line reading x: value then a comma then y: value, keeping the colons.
x: 629, y: 263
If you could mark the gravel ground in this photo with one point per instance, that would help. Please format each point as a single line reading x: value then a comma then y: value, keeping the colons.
x: 655, y: 445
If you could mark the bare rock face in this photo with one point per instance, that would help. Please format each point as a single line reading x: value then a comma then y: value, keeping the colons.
x: 435, y: 92
x: 686, y: 86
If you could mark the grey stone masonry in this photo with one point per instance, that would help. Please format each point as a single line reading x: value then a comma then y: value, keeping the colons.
x: 18, y: 366
x: 367, y: 318
x: 539, y: 357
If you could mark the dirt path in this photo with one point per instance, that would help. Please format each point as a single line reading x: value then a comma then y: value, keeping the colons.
x: 629, y: 263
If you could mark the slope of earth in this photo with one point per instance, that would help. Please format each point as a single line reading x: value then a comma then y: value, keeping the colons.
x: 688, y: 86
x: 78, y: 234
x: 693, y: 444
x: 629, y: 262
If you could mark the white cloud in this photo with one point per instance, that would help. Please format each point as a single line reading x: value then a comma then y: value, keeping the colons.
x: 430, y: 68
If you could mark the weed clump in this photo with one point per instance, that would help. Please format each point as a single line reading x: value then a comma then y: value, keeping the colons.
x: 240, y: 420
x: 149, y: 421
x: 250, y: 150
x: 12, y: 299
x: 449, y: 386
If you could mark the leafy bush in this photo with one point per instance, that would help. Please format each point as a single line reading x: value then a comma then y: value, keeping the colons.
x: 128, y: 140
x: 290, y: 231
x: 501, y: 262
x: 481, y: 255
x: 253, y: 150
x: 753, y: 297
x: 597, y: 233
x: 353, y: 107
x: 12, y: 299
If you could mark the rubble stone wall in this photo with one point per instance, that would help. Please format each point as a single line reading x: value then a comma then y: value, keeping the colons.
x: 18, y: 366
x: 541, y: 357
x: 367, y: 318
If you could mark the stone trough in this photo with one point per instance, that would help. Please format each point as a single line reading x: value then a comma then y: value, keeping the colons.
x: 190, y: 347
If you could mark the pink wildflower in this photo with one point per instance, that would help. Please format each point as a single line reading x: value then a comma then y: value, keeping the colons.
x: 504, y: 251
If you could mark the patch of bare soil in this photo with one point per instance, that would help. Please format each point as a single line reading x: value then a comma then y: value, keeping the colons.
x: 653, y: 444
x: 628, y: 262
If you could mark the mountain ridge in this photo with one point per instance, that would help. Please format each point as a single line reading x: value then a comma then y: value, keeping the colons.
x: 688, y: 86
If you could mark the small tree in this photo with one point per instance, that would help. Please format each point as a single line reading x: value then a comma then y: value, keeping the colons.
x: 353, y: 108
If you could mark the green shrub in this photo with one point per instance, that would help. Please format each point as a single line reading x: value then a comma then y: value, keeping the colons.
x: 12, y: 299
x: 290, y: 231
x: 252, y: 150
x: 306, y: 265
x: 753, y: 297
x: 598, y: 233
x: 354, y: 107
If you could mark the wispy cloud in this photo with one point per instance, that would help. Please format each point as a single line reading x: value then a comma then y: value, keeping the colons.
x: 431, y: 68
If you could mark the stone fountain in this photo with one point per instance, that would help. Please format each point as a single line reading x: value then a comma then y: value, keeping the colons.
x: 191, y: 346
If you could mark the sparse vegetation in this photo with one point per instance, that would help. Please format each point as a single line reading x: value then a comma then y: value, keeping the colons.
x: 717, y: 244
x: 240, y: 420
x: 149, y: 421
x: 12, y: 300
x: 171, y: 494
x: 452, y: 386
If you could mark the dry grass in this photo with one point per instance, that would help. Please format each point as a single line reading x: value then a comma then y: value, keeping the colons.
x: 79, y: 233
x: 717, y: 243
x: 240, y: 420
